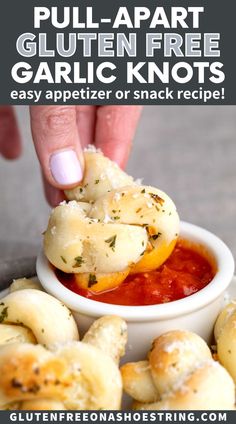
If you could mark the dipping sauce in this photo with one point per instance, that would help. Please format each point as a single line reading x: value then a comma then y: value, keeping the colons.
x: 185, y: 272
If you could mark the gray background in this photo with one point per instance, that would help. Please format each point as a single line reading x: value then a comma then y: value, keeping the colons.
x: 189, y: 152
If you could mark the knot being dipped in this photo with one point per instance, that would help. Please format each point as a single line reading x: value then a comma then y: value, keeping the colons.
x: 111, y: 227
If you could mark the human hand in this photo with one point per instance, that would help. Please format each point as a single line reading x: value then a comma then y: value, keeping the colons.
x: 61, y: 132
x: 10, y: 145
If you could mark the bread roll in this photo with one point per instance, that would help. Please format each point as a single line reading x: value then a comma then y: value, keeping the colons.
x: 25, y: 283
x: 109, y: 334
x: 146, y: 207
x: 41, y: 404
x: 225, y: 335
x: 138, y: 381
x: 48, y: 319
x: 98, y: 282
x: 10, y: 333
x: 75, y: 243
x: 100, y: 175
x: 112, y: 227
x: 209, y: 387
x: 179, y: 374
x: 174, y: 353
x: 77, y: 375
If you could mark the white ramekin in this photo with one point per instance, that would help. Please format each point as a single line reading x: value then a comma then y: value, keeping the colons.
x: 196, y: 313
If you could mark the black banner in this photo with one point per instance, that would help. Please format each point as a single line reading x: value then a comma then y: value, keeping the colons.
x: 117, y: 52
x: 119, y: 417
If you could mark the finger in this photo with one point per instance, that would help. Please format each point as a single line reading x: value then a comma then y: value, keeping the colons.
x: 86, y: 116
x: 53, y: 195
x: 115, y: 130
x: 56, y: 139
x: 10, y: 145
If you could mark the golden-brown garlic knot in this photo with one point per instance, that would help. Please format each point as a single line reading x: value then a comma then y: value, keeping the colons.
x: 179, y: 374
x: 111, y: 227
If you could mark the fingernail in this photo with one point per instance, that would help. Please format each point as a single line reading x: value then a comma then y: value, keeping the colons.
x: 65, y: 167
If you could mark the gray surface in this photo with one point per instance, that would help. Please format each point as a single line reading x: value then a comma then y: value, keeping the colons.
x: 16, y: 268
x: 189, y: 152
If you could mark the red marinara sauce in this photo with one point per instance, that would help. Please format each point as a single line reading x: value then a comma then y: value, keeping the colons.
x: 185, y: 272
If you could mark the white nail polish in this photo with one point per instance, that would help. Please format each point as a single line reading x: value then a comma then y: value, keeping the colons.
x: 65, y: 167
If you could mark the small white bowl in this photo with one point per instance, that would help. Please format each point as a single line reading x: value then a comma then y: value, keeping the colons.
x: 196, y: 313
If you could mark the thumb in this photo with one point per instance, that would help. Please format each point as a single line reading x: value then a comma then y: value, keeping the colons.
x: 56, y: 140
